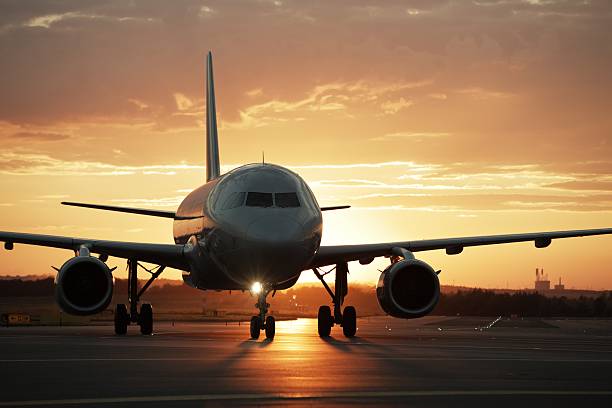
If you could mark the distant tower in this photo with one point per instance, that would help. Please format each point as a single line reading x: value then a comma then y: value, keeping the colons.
x: 542, y: 284
x: 559, y: 287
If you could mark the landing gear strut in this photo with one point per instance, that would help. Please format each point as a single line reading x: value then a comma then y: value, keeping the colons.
x: 348, y: 319
x: 261, y: 322
x: 145, y: 318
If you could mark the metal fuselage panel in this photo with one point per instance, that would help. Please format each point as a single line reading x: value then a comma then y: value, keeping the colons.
x: 230, y: 244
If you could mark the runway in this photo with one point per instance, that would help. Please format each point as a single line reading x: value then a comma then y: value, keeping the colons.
x: 434, y: 361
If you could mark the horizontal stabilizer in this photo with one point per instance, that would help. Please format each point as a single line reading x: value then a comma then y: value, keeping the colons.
x: 337, y: 207
x: 140, y: 211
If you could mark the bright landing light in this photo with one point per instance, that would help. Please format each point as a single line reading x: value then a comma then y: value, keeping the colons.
x: 256, y: 288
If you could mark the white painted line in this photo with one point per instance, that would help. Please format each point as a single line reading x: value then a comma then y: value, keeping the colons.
x: 278, y: 359
x: 304, y: 396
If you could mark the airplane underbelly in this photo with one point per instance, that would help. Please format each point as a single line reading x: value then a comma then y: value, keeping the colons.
x: 267, y: 265
x: 244, y: 261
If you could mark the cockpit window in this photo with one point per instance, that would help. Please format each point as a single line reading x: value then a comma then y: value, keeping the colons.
x: 255, y: 199
x: 234, y: 200
x: 286, y: 200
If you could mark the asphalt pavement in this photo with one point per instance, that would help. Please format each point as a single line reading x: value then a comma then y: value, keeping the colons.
x: 429, y: 362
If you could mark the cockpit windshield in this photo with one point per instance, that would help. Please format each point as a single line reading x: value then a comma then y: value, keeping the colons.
x: 260, y: 199
x: 234, y: 200
x: 286, y: 200
x: 255, y: 199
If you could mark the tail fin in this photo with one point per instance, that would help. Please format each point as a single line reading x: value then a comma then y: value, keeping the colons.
x: 212, y: 142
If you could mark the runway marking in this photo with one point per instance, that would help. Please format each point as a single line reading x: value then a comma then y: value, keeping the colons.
x: 303, y: 396
x: 131, y: 359
x: 411, y: 346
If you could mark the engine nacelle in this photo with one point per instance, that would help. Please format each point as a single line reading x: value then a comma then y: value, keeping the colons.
x: 408, y: 289
x: 84, y: 286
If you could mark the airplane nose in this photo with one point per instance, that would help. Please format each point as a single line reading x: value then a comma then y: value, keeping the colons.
x: 275, y: 230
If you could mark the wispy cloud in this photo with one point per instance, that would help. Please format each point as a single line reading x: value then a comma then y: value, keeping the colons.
x: 183, y: 103
x: 53, y: 196
x: 402, y: 164
x: 39, y: 136
x: 138, y: 103
x: 30, y: 164
x: 254, y: 92
x: 48, y: 20
x: 206, y: 12
x: 332, y: 97
x: 484, y: 94
x: 392, y: 107
x: 150, y: 202
x: 394, y: 184
x: 409, y: 135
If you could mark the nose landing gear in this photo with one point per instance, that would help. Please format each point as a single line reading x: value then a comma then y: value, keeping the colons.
x: 261, y: 322
x: 348, y: 319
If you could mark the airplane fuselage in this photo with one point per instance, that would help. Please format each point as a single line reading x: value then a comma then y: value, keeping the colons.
x: 256, y: 223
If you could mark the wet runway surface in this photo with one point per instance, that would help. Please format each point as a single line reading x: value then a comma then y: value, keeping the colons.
x: 433, y: 361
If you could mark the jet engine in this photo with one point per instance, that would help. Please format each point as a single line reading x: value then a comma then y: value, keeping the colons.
x: 408, y: 289
x: 84, y: 286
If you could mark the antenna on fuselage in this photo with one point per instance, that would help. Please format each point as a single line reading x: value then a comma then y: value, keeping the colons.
x: 212, y: 141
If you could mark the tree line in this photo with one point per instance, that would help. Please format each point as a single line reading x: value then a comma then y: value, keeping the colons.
x: 479, y: 302
x: 475, y: 302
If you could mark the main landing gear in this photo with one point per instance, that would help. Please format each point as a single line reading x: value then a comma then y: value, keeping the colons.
x: 348, y: 319
x: 261, y: 322
x: 145, y: 318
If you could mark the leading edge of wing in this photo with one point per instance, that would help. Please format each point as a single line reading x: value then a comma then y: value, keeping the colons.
x: 170, y: 255
x: 130, y: 210
x: 328, y: 255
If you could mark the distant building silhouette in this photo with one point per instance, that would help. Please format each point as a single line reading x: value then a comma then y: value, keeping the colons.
x: 559, y: 287
x: 542, y: 284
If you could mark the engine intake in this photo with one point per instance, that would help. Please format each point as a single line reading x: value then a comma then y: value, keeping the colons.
x: 84, y: 286
x: 408, y: 289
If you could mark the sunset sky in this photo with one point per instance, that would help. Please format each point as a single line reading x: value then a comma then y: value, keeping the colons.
x: 430, y: 118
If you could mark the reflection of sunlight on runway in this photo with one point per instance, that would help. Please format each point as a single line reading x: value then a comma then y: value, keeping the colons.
x: 292, y: 333
x: 299, y: 326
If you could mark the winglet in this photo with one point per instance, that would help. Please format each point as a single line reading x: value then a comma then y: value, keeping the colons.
x: 212, y: 143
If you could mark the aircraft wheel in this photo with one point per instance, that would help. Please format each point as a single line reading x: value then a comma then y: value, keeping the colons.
x: 325, y: 321
x: 270, y: 327
x: 146, y: 319
x: 122, y: 319
x: 255, y: 327
x: 349, y: 321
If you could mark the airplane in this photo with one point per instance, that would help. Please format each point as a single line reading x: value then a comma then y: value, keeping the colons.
x: 256, y: 228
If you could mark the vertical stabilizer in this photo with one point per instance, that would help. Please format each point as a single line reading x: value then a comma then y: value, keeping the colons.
x: 212, y: 142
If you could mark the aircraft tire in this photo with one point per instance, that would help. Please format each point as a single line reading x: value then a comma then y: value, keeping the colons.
x: 349, y: 321
x: 146, y: 319
x: 121, y: 319
x: 255, y: 327
x: 324, y: 320
x: 270, y: 327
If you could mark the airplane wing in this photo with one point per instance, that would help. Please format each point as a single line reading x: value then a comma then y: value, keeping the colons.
x: 328, y: 255
x: 170, y: 255
x: 129, y: 210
